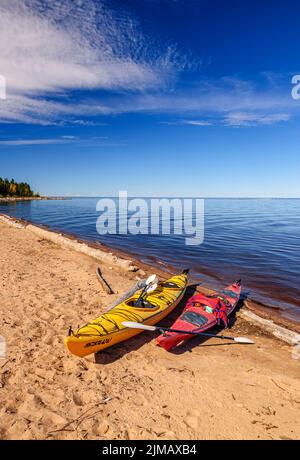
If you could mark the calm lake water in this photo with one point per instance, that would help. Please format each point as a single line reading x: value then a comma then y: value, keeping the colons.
x: 257, y: 240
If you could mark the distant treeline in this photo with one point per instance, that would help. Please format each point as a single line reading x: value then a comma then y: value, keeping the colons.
x: 15, y: 189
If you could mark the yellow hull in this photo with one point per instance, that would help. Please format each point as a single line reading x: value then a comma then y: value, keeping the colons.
x: 107, y: 329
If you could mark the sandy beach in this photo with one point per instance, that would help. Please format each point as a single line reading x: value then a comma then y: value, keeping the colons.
x: 135, y: 390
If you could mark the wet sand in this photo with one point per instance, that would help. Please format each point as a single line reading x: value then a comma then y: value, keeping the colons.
x: 206, y: 390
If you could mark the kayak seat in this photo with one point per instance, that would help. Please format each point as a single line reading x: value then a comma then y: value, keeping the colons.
x: 142, y: 304
x: 194, y: 318
x: 230, y: 293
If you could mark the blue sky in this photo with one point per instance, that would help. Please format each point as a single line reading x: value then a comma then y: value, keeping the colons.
x: 156, y: 97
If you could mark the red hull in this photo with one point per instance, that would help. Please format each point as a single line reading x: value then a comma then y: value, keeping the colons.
x: 196, y: 318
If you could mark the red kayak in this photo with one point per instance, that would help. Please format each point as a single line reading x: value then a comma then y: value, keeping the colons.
x: 202, y: 312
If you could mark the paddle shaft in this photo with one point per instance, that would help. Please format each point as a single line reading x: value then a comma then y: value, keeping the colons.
x: 143, y: 293
x: 162, y: 329
x: 139, y: 285
x: 166, y: 329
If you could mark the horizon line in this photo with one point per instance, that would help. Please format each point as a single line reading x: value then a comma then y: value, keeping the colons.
x: 182, y: 197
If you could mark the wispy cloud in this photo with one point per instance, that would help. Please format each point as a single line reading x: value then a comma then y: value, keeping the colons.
x: 93, y: 141
x: 17, y: 142
x: 196, y: 122
x: 235, y: 119
x: 228, y: 101
x: 73, y: 61
x: 254, y: 119
x: 50, y: 47
x: 187, y: 122
x: 86, y: 123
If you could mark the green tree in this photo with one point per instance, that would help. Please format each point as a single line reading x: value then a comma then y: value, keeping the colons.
x: 15, y: 189
x: 1, y: 187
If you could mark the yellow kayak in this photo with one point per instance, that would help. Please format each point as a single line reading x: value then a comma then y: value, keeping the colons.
x: 107, y: 330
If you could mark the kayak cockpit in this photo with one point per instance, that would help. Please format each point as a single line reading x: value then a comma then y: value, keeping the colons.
x: 142, y: 304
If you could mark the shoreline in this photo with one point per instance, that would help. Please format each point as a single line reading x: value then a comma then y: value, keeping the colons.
x: 12, y: 199
x: 163, y: 270
x: 133, y: 264
x: 278, y: 303
x: 224, y: 390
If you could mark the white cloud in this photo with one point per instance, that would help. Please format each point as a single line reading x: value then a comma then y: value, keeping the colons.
x: 254, y: 119
x: 187, y: 122
x: 51, y: 47
x: 99, y: 141
x: 17, y: 142
x: 220, y: 96
x: 196, y: 122
x: 62, y: 46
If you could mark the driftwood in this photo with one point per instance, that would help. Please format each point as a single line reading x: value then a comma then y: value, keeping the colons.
x: 103, y: 282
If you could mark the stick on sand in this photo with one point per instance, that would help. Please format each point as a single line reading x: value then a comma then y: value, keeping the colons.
x: 103, y: 281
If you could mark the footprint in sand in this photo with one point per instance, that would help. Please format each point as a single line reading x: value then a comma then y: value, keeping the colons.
x: 100, y: 428
x: 102, y: 376
x: 38, y: 402
x: 19, y: 426
x: 77, y: 399
x: 49, y: 339
x: 2, y: 433
x: 166, y: 435
x: 192, y: 419
x: 11, y: 409
x: 140, y: 400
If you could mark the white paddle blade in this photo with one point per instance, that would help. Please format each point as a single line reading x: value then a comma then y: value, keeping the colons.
x: 151, y: 279
x: 243, y: 340
x: 133, y: 325
x: 151, y: 288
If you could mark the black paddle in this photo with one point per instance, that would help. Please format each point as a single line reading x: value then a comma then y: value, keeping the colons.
x: 151, y: 282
